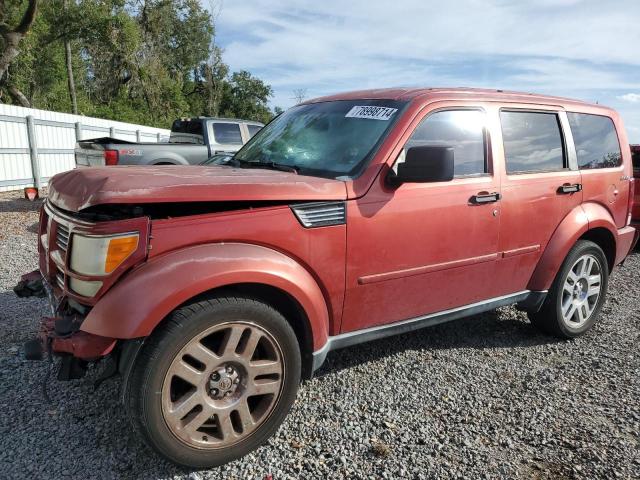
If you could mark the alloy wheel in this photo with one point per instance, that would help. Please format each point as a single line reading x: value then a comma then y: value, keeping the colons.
x: 222, y: 385
x: 581, y: 291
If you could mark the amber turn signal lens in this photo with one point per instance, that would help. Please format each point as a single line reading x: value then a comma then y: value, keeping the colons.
x: 119, y: 249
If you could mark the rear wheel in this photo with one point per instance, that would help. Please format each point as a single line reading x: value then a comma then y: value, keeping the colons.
x: 215, y: 382
x: 576, y: 297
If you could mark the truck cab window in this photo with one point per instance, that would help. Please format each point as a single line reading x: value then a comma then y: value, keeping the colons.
x: 253, y: 129
x: 227, y: 133
x: 187, y: 131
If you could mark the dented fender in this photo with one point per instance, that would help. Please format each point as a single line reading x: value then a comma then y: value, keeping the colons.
x: 137, y: 303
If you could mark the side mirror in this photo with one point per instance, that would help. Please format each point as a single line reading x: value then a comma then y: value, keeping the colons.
x: 424, y: 164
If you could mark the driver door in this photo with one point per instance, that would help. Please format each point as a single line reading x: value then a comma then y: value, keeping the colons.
x: 426, y: 247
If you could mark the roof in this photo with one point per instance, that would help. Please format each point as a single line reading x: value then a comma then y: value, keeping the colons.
x: 408, y: 94
x: 226, y: 119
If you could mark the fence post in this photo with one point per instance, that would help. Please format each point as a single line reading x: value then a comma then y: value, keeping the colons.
x: 33, y: 152
x: 112, y: 132
x: 138, y: 137
x: 159, y: 137
x: 78, y: 131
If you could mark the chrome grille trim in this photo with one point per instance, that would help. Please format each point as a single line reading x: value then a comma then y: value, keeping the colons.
x: 62, y: 237
x: 320, y: 214
x: 60, y: 280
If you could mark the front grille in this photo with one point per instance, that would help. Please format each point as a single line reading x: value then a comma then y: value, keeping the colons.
x: 62, y: 237
x: 320, y: 214
x: 60, y: 280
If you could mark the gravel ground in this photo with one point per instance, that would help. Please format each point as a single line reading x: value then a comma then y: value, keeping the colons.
x: 483, y: 397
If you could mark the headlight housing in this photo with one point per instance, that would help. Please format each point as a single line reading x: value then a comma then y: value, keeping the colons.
x: 101, y: 255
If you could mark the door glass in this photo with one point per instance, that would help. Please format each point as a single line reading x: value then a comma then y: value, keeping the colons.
x: 596, y: 141
x: 227, y: 133
x: 464, y: 130
x: 532, y: 141
x: 253, y: 129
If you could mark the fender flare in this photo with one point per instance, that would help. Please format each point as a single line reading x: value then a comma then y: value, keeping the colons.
x: 575, y: 224
x: 154, y: 158
x: 137, y: 303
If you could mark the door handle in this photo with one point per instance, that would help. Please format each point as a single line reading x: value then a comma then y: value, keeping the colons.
x: 570, y: 188
x: 485, y: 197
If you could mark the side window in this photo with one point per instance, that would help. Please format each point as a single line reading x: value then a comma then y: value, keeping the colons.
x: 187, y: 131
x: 461, y: 129
x: 596, y: 141
x: 227, y: 133
x: 635, y: 156
x: 253, y: 129
x: 532, y: 141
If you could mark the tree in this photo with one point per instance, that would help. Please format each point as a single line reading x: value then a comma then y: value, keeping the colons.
x: 247, y: 97
x: 11, y: 38
x: 139, y: 61
x: 299, y: 95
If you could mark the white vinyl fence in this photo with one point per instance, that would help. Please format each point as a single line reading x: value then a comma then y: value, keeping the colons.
x: 37, y: 144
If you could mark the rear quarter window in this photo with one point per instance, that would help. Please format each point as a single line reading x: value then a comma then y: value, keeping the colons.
x: 596, y: 141
x: 532, y: 141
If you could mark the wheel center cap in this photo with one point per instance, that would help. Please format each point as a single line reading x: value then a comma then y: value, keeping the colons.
x: 224, y: 381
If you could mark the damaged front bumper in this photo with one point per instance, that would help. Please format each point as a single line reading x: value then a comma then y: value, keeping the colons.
x: 60, y: 334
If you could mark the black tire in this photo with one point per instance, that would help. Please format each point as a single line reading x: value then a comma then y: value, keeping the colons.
x: 549, y: 319
x: 143, y: 394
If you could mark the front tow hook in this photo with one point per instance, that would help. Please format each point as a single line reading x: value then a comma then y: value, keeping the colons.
x: 31, y: 285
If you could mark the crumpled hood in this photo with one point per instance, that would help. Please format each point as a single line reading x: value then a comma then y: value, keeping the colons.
x: 85, y: 187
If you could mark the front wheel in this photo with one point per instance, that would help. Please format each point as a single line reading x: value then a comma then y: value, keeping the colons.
x: 578, y: 292
x: 215, y: 382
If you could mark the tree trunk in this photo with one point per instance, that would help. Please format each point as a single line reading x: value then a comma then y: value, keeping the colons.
x: 12, y: 37
x: 19, y: 96
x: 11, y: 41
x: 70, y: 80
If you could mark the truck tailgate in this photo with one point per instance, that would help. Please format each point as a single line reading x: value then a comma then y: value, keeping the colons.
x: 90, y: 153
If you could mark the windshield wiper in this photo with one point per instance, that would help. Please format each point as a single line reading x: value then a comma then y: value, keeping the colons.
x: 269, y: 165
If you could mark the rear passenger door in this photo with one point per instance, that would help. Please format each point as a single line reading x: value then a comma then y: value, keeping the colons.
x: 541, y: 184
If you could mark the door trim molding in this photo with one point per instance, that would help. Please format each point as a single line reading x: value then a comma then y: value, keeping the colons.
x: 409, y: 272
x: 374, y: 333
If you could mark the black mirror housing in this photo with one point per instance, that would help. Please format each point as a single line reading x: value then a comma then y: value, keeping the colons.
x: 424, y: 164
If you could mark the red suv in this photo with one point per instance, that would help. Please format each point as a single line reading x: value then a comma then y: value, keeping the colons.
x: 213, y: 290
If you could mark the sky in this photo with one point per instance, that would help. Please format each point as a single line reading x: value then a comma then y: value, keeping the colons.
x: 585, y: 49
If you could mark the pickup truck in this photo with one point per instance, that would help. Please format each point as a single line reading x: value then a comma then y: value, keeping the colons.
x: 192, y: 141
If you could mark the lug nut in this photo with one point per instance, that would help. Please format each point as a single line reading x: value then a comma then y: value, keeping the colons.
x: 229, y: 369
x: 215, y: 376
x: 236, y: 380
x: 214, y: 391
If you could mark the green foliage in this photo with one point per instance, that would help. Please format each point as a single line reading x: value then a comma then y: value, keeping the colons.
x: 141, y: 61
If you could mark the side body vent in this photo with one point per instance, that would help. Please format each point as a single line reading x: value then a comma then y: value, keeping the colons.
x: 320, y: 214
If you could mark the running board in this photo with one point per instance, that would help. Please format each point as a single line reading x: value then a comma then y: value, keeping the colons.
x: 374, y: 333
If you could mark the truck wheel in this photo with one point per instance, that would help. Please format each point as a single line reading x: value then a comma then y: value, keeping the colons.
x: 577, y: 294
x: 215, y: 382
